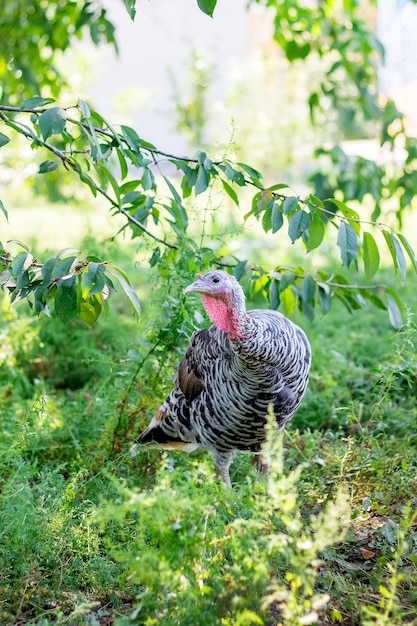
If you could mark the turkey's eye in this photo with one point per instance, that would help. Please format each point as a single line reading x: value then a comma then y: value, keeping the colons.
x: 216, y: 280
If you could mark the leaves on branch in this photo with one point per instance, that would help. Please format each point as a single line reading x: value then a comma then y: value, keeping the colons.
x: 67, y: 285
x: 88, y: 144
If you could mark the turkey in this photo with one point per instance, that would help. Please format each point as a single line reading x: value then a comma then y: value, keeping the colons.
x: 230, y: 374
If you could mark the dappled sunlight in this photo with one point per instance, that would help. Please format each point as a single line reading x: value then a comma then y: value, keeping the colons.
x: 46, y: 414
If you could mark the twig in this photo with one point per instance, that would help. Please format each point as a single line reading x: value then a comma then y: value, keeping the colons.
x: 343, y: 286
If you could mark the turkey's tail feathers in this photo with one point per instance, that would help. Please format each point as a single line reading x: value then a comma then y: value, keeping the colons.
x: 156, y: 435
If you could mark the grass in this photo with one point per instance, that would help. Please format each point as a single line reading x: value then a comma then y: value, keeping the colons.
x: 91, y: 536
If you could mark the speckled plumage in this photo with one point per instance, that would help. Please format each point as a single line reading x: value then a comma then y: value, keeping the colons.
x: 228, y: 378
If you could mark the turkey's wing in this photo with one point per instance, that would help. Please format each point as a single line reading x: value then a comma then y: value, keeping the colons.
x: 205, y: 346
x: 190, y: 384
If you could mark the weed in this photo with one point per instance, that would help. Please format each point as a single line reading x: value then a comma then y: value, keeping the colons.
x: 92, y: 536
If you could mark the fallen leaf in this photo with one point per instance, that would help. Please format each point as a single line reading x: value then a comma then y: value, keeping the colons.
x: 367, y: 554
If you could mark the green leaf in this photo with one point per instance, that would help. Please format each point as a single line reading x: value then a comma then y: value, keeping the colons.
x: 287, y: 298
x: 180, y: 216
x: 325, y: 297
x: 3, y: 140
x: 314, y: 202
x: 299, y: 222
x: 308, y: 292
x: 66, y: 252
x: 48, y: 166
x: 66, y: 304
x: 131, y: 197
x: 3, y: 210
x: 255, y: 175
x: 370, y: 255
x: 132, y: 138
x: 309, y: 288
x: 397, y: 254
x: 63, y: 267
x: 277, y: 187
x: 409, y: 250
x: 294, y: 50
x: 233, y: 174
x: 265, y: 200
x: 131, y: 185
x: 84, y: 108
x: 130, y: 8
x: 35, y: 103
x: 85, y: 178
x: 286, y: 279
x: 276, y: 217
x: 92, y: 280
x: 19, y: 243
x: 52, y: 122
x: 106, y: 174
x: 97, y: 149
x: 122, y: 162
x: 91, y: 308
x: 172, y: 189
x: 349, y: 213
x: 148, y: 179
x: 207, y: 6
x: 395, y: 308
x: 267, y: 220
x: 202, y: 181
x: 402, y: 265
x: 370, y: 295
x: 315, y: 233
x: 274, y: 299
x: 347, y: 240
x: 124, y: 282
x: 47, y: 269
x: 239, y: 269
x: 21, y: 263
x: 208, y: 164
x: 289, y: 204
x: 230, y: 192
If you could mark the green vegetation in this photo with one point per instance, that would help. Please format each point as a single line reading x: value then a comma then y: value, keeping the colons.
x: 91, y: 535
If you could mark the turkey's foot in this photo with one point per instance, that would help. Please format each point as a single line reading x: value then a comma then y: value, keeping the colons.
x: 223, y: 461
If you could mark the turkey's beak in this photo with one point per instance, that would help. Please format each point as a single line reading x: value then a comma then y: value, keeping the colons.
x: 197, y: 286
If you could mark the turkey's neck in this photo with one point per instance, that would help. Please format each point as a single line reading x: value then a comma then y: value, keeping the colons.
x: 228, y: 315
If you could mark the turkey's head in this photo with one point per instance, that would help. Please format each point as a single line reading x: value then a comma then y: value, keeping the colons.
x: 223, y: 299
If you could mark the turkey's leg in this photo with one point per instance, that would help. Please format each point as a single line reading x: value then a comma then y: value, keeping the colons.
x: 263, y: 462
x: 223, y: 461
